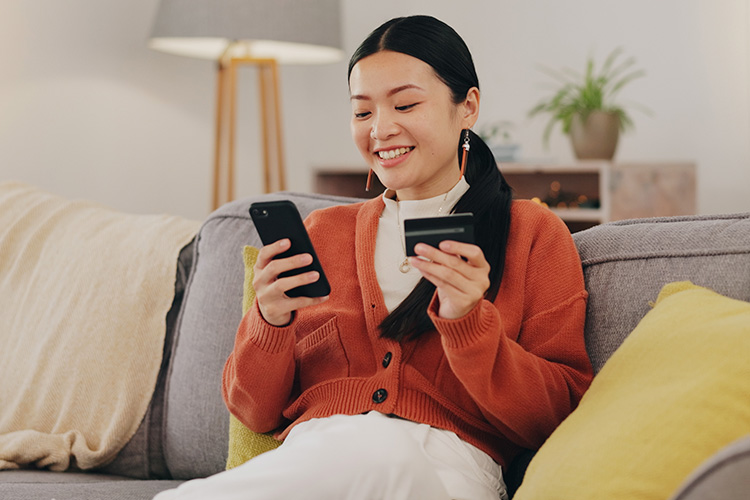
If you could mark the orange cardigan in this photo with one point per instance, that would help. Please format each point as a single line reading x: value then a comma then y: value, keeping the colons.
x: 502, y: 377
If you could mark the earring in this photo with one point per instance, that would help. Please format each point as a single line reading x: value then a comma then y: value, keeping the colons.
x: 466, y: 152
x: 369, y: 181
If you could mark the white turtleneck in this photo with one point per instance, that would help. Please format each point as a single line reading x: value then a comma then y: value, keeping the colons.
x: 389, y: 245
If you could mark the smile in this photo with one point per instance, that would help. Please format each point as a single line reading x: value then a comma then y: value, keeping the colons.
x: 393, y: 153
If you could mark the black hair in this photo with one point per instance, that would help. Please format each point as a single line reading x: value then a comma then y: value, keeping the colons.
x: 489, y: 196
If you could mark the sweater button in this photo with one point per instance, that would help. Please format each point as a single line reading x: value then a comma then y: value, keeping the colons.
x: 379, y: 396
x: 387, y: 359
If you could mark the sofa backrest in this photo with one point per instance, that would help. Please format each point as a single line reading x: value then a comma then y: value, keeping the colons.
x: 196, y: 422
x: 627, y: 263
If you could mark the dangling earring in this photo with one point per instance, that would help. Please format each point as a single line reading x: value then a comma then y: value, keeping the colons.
x: 369, y: 181
x: 466, y: 152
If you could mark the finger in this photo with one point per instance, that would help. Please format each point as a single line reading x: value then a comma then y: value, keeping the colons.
x: 284, y: 304
x: 426, y: 251
x: 447, y: 270
x: 445, y: 277
x: 449, y: 260
x: 455, y: 301
x: 268, y: 272
x: 276, y: 306
x: 290, y: 282
x: 471, y: 260
x: 457, y: 296
x: 472, y: 253
x: 279, y: 266
x: 268, y: 276
x: 433, y: 274
x: 268, y: 252
x: 280, y: 312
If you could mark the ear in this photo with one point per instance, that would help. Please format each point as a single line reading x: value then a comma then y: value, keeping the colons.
x: 470, y: 108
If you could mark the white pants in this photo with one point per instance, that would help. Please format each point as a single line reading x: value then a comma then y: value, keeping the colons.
x: 368, y: 456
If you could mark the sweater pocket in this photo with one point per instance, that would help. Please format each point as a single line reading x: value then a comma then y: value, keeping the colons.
x: 320, y: 356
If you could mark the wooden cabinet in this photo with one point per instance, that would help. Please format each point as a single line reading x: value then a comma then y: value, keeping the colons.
x: 346, y: 182
x: 583, y: 193
x: 587, y: 193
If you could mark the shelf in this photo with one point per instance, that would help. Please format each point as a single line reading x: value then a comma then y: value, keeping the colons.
x: 584, y: 166
x: 579, y: 214
x: 619, y: 190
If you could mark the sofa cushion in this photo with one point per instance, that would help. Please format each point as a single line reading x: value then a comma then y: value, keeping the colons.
x: 37, y: 485
x: 245, y: 444
x: 628, y: 260
x: 197, y: 422
x: 674, y: 393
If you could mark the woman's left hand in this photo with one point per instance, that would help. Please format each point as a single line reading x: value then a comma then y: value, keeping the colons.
x: 458, y: 270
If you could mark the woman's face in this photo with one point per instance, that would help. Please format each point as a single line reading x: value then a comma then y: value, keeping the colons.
x: 406, y: 125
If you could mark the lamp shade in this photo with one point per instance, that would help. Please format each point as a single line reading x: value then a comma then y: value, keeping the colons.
x: 289, y: 31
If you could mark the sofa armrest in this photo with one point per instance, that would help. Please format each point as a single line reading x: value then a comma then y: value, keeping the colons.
x: 725, y: 476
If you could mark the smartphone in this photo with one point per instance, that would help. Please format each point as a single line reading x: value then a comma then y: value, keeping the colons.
x: 433, y: 230
x: 275, y: 220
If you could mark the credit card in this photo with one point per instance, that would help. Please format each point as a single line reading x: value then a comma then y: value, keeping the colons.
x: 433, y: 230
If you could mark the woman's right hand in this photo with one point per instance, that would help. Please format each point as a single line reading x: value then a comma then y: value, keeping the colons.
x: 275, y: 305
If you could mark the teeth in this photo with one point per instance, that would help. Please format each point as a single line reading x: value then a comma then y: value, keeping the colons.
x: 393, y: 153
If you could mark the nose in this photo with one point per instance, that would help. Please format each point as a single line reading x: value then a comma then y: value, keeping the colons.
x: 383, y: 127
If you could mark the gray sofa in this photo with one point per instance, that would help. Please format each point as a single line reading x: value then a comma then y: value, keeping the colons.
x: 184, y: 434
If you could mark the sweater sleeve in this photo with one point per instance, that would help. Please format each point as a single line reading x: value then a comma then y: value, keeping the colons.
x: 259, y: 373
x: 526, y: 381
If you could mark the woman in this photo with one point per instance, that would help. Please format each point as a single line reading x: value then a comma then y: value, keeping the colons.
x: 417, y: 377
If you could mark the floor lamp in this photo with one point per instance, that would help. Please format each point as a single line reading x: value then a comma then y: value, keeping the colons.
x: 258, y: 33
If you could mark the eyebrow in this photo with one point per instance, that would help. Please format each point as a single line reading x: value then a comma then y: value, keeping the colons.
x: 390, y: 93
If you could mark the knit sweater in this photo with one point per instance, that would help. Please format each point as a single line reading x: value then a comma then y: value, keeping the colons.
x: 502, y: 377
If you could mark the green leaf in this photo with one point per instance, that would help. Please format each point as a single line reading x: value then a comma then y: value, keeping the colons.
x: 625, y: 80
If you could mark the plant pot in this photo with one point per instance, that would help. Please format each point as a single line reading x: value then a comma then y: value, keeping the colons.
x: 595, y: 138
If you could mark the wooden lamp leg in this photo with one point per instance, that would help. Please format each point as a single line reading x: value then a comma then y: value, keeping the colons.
x: 219, y: 137
x: 226, y: 119
x: 273, y: 150
x: 265, y: 129
x: 277, y: 118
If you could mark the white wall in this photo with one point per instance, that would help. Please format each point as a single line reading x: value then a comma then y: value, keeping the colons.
x: 88, y: 111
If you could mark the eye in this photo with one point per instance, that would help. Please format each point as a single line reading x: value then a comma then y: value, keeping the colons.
x: 406, y: 108
x: 361, y: 115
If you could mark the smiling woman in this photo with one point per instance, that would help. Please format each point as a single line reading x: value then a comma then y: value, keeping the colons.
x: 417, y: 377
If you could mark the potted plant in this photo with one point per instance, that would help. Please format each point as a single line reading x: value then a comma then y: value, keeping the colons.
x: 585, y: 106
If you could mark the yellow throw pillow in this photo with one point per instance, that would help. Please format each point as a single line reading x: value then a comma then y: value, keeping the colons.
x: 675, y: 392
x: 245, y: 444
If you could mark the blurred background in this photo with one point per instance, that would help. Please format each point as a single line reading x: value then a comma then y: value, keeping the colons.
x: 87, y: 110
